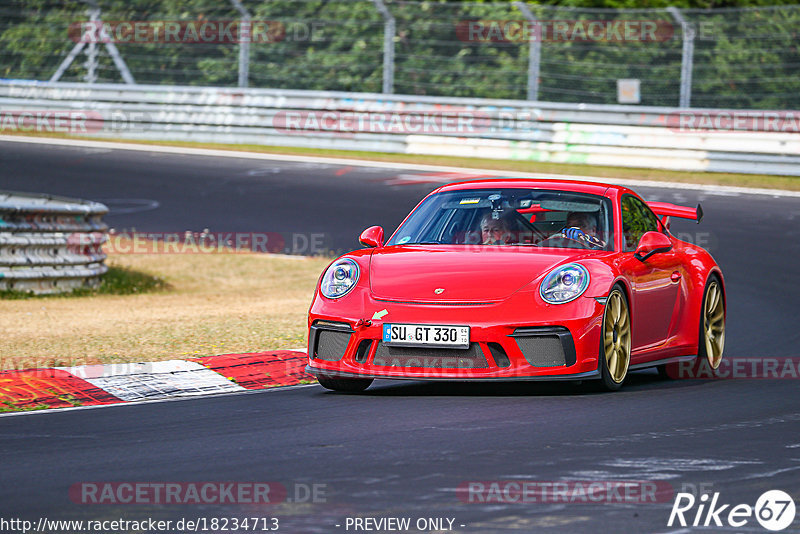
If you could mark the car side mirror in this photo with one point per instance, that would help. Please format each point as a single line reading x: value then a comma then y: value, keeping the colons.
x: 372, y: 237
x: 652, y: 243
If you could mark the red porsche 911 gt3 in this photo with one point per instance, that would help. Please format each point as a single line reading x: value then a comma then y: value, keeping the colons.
x: 513, y: 279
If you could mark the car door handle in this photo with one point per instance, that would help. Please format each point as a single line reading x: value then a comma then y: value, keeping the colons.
x: 675, y: 276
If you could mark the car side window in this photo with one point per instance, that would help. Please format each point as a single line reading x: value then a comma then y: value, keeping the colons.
x: 637, y: 219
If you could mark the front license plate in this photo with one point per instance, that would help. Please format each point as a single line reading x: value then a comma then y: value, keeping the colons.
x: 426, y: 335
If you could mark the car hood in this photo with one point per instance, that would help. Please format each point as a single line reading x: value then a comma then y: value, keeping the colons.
x: 477, y: 273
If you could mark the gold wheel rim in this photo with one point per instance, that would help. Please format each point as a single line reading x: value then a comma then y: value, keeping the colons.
x: 617, y: 337
x: 714, y: 324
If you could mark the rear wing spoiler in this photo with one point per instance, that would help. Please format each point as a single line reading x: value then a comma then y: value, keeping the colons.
x: 665, y: 209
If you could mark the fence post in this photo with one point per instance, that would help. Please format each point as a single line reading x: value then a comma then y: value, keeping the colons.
x: 244, y: 43
x: 91, y: 50
x: 687, y: 57
x: 534, y: 52
x: 67, y: 61
x: 388, y: 46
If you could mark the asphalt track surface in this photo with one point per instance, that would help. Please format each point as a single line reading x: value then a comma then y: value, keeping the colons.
x: 402, y: 448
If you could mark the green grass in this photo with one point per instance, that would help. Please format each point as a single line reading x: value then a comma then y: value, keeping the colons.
x: 117, y: 281
x: 126, y: 281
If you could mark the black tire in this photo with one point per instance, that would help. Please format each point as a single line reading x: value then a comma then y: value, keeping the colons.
x: 620, y: 336
x: 345, y: 385
x: 703, y: 360
x: 663, y: 373
x: 712, y: 323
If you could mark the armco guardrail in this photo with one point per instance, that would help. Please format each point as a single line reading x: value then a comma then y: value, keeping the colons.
x: 632, y: 136
x: 50, y: 244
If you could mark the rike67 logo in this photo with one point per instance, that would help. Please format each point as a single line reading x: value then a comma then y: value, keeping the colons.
x: 774, y: 510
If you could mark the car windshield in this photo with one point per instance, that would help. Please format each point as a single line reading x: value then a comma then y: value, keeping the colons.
x: 509, y: 217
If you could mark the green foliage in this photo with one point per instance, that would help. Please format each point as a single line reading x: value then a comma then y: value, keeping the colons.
x: 744, y: 58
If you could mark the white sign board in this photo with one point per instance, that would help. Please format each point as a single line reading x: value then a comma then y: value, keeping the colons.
x: 628, y: 91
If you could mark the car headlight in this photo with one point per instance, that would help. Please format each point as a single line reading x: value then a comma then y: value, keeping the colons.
x: 339, y: 279
x: 564, y: 283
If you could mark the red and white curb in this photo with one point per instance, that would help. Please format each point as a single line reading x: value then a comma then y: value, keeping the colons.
x: 89, y: 385
x: 155, y: 380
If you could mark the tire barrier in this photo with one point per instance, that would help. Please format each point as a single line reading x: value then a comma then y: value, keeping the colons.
x: 50, y: 244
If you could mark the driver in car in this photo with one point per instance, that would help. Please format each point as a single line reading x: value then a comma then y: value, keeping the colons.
x: 581, y: 226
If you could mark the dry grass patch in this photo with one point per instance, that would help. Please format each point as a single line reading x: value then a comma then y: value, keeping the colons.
x: 214, y: 304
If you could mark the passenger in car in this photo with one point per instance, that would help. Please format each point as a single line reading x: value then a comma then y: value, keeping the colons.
x: 494, y: 231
